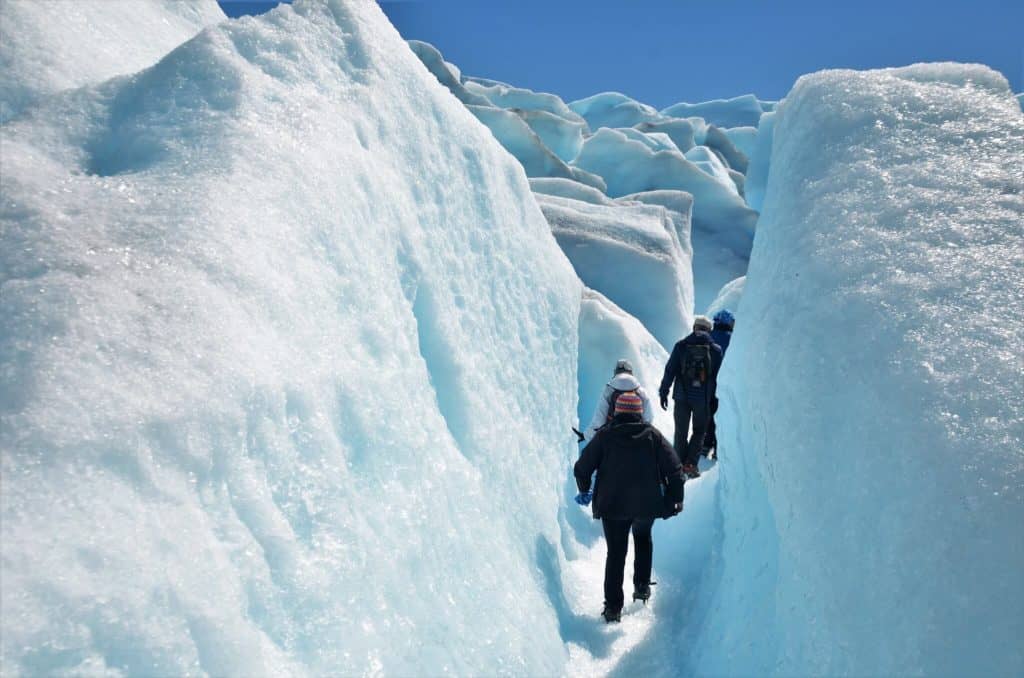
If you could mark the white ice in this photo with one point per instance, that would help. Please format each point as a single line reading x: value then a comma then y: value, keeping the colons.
x: 872, y: 412
x: 631, y: 254
x: 736, y: 112
x: 613, y: 109
x: 272, y: 314
x: 48, y: 47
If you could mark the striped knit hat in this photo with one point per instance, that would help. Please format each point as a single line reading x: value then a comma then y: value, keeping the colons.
x: 629, y: 403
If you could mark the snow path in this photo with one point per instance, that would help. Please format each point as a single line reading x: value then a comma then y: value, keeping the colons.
x: 647, y: 639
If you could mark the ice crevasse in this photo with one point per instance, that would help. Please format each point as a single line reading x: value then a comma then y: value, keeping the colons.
x: 267, y: 328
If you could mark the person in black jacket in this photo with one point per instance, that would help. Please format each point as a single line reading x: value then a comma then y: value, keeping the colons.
x: 693, y: 366
x: 639, y: 478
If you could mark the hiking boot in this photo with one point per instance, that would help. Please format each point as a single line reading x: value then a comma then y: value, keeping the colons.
x: 643, y: 593
x: 611, y: 614
x: 691, y: 471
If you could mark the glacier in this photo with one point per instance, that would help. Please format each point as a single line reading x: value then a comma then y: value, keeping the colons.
x: 295, y: 318
x: 259, y: 307
x: 873, y: 493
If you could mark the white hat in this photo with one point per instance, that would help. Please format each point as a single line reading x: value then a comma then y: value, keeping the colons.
x: 702, y: 322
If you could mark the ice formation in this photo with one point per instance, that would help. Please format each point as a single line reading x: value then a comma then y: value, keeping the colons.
x: 631, y: 254
x: 728, y: 297
x: 871, y: 399
x: 51, y: 47
x: 740, y: 111
x: 272, y: 315
x: 612, y: 109
x: 760, y: 162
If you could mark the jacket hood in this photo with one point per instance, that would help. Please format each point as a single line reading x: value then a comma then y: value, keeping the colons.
x: 624, y: 381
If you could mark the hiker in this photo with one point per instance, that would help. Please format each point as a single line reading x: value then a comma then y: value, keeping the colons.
x: 721, y: 334
x: 693, y: 367
x: 634, y: 462
x: 622, y: 381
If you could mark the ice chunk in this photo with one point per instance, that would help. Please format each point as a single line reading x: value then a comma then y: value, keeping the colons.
x: 743, y: 138
x: 728, y: 297
x: 47, y: 47
x: 632, y: 255
x: 709, y: 161
x: 680, y: 210
x: 678, y: 130
x: 886, y: 276
x: 569, y: 188
x: 760, y: 159
x: 629, y: 166
x: 737, y: 112
x: 720, y: 141
x: 655, y: 141
x: 767, y: 106
x: 563, y: 137
x: 507, y: 96
x: 262, y: 381
x: 612, y: 109
x: 447, y: 74
x: 1020, y: 101
x: 518, y: 139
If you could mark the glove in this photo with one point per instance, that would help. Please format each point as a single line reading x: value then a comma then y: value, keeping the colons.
x: 664, y: 401
x: 673, y: 510
x: 583, y: 498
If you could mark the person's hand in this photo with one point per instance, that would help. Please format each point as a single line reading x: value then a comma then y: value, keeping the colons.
x: 583, y: 498
x: 664, y: 401
x: 677, y: 508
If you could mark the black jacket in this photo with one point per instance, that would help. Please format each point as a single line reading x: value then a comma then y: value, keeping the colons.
x: 634, y: 463
x: 674, y: 366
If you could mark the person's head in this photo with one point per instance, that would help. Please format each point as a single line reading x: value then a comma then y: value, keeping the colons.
x: 725, y: 318
x: 623, y: 366
x: 629, y: 404
x: 701, y: 324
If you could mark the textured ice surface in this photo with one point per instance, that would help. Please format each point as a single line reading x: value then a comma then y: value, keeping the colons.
x: 447, y: 74
x: 678, y: 130
x: 612, y: 109
x: 271, y: 317
x: 507, y: 96
x: 47, y: 47
x: 721, y: 142
x: 728, y: 297
x: 736, y: 112
x: 568, y: 188
x: 872, y: 411
x: 536, y: 158
x: 629, y: 166
x: 630, y: 253
x: 680, y: 210
x: 760, y: 162
x: 709, y: 161
x: 563, y: 137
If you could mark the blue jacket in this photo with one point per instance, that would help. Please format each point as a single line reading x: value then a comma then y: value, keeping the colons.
x: 722, y: 335
x: 675, y: 366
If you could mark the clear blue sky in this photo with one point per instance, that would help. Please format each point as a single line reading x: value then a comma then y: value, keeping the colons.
x: 664, y: 51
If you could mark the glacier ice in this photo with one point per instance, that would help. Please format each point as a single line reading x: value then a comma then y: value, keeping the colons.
x: 760, y: 162
x: 507, y: 96
x: 722, y: 143
x: 563, y: 137
x: 743, y: 138
x: 871, y: 398
x: 445, y: 73
x: 678, y: 130
x: 251, y: 368
x: 631, y: 254
x: 49, y: 47
x: 569, y: 188
x: 613, y: 109
x: 739, y: 111
x: 728, y: 297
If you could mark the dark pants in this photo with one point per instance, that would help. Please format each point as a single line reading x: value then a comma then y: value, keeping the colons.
x: 711, y: 437
x: 616, y: 533
x: 685, y: 408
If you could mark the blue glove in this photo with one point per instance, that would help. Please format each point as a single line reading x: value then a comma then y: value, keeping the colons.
x: 583, y: 498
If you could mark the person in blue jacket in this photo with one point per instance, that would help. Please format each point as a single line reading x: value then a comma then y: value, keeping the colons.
x: 721, y: 334
x: 693, y: 368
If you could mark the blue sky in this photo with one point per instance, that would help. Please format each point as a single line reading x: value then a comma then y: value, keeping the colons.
x: 664, y: 51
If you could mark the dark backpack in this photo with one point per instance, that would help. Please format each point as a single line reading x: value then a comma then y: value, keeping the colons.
x: 696, y: 364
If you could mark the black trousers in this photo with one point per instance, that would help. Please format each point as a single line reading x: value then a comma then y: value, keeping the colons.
x: 685, y: 408
x: 616, y: 533
x: 711, y: 437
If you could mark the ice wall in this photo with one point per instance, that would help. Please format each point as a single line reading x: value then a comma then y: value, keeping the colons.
x: 271, y: 319
x: 872, y: 420
x: 47, y: 47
